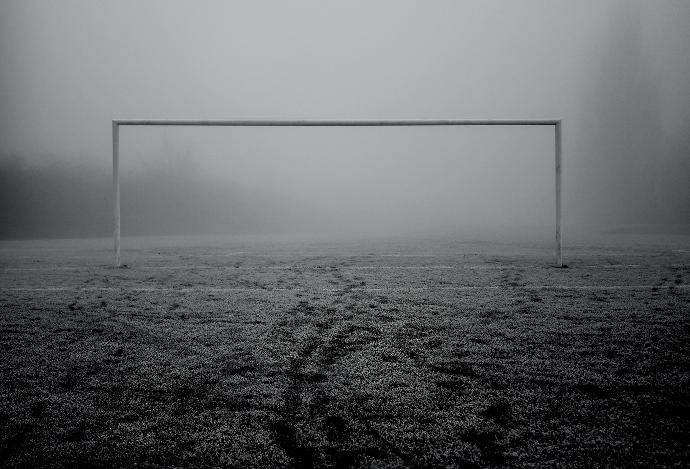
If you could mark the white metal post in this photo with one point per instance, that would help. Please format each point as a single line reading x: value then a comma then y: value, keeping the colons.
x: 559, y: 152
x: 116, y: 191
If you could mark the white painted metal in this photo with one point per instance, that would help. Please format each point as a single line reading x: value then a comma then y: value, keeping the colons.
x: 331, y: 123
x: 559, y: 153
x: 116, y: 191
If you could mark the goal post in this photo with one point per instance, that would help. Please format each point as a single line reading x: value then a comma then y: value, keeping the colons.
x: 116, y: 123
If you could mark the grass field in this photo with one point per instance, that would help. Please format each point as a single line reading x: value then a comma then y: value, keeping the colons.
x: 264, y: 353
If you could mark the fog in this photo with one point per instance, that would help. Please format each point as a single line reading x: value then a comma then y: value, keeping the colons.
x: 616, y: 72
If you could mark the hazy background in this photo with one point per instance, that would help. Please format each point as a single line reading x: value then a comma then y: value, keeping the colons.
x: 617, y: 72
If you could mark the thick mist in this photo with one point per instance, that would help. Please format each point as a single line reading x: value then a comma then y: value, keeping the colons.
x: 616, y: 72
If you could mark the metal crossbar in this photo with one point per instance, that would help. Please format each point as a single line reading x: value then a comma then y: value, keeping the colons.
x: 334, y: 123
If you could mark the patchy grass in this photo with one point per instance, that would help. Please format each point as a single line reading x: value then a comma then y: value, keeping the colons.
x: 305, y: 358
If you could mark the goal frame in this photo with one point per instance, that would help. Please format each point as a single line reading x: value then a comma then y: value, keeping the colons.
x: 557, y: 124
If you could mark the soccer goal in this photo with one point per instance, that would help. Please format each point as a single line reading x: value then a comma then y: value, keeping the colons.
x: 555, y: 123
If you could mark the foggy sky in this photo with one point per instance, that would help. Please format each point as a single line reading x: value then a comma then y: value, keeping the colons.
x: 617, y: 72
